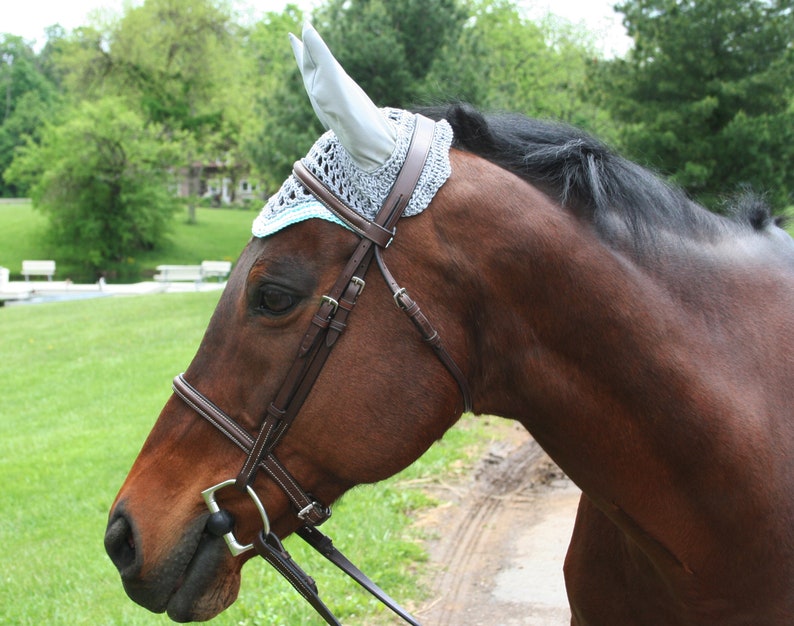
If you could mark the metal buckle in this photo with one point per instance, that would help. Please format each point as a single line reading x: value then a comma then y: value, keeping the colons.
x: 332, y: 302
x: 398, y: 298
x: 235, y: 547
x: 314, y: 506
x: 360, y: 282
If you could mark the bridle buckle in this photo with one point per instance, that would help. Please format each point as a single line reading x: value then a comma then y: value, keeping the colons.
x: 398, y: 298
x: 360, y: 283
x: 323, y: 511
x: 334, y: 304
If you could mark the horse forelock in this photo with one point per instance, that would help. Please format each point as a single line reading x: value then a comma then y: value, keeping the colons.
x: 623, y: 200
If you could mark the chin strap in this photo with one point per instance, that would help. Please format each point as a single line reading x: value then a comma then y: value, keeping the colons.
x: 270, y: 548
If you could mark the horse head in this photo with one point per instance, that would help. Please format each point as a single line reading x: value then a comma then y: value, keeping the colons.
x: 379, y: 382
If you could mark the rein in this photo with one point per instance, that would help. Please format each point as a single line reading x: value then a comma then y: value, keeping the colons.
x: 325, y: 329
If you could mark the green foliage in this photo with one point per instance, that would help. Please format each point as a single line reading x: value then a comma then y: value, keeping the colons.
x: 102, y: 179
x: 502, y: 61
x: 706, y: 94
x: 284, y: 125
x: 389, y: 47
x: 171, y: 57
x: 28, y: 100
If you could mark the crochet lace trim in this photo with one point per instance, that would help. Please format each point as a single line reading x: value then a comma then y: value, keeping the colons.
x: 362, y: 191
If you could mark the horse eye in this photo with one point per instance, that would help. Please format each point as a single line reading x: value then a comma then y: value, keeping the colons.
x: 275, y: 301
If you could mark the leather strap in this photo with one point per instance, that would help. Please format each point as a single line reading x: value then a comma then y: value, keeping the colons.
x: 429, y: 333
x: 360, y: 225
x: 307, y: 507
x: 272, y: 550
x: 325, y: 546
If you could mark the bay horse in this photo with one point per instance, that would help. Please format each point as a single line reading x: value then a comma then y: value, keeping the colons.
x: 642, y: 340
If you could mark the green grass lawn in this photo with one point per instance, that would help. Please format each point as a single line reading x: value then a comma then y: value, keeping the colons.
x: 82, y: 383
x: 218, y: 234
x: 21, y: 235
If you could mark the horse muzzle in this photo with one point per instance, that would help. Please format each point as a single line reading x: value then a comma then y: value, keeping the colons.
x: 195, y: 581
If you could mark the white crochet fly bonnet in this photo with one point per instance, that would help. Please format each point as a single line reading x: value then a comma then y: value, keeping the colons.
x: 361, y: 155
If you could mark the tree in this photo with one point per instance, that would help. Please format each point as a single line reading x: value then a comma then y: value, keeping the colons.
x: 283, y: 125
x: 706, y: 94
x: 502, y: 61
x: 102, y: 178
x: 176, y: 61
x: 388, y: 47
x: 28, y: 98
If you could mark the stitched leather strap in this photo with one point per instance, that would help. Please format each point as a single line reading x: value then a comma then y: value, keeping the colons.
x: 361, y: 225
x: 272, y: 550
x: 307, y: 507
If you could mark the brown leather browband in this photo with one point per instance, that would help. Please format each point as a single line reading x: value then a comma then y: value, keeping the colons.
x: 327, y: 325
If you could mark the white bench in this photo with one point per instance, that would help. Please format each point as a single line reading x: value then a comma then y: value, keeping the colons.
x: 194, y: 273
x: 38, y: 268
x: 178, y: 273
x: 216, y: 269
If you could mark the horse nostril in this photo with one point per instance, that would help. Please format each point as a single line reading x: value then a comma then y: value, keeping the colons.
x: 120, y: 544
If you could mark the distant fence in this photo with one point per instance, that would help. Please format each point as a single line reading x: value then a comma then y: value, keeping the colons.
x: 13, y: 200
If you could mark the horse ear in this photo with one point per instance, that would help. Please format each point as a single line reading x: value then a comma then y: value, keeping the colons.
x: 341, y: 105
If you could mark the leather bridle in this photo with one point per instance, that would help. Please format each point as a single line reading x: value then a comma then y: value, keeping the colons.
x: 325, y: 329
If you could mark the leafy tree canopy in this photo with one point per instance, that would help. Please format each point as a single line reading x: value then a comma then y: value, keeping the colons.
x: 503, y: 61
x: 28, y: 98
x: 706, y: 94
x: 101, y: 178
x: 389, y: 46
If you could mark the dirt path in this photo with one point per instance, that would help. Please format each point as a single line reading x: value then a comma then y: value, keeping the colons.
x: 501, y: 540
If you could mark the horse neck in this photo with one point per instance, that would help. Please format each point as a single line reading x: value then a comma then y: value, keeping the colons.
x: 613, y: 367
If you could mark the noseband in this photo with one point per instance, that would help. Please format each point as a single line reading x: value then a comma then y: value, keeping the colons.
x: 325, y: 329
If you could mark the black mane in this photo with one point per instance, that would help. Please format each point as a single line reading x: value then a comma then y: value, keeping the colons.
x: 581, y: 173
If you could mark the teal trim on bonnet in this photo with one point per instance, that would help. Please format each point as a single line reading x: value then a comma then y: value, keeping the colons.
x: 309, y: 210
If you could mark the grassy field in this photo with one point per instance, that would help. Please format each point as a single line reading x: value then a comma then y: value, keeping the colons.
x: 218, y: 234
x: 83, y: 382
